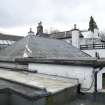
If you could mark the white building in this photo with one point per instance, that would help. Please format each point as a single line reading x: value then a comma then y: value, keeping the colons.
x: 89, y: 42
x: 58, y: 58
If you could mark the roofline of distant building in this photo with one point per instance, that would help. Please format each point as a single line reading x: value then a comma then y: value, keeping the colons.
x: 10, y: 37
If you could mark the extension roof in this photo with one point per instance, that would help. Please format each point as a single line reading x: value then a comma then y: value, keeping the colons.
x: 22, y: 81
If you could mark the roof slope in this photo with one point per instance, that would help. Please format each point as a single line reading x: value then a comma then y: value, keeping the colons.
x: 10, y: 37
x: 39, y: 47
x: 63, y: 35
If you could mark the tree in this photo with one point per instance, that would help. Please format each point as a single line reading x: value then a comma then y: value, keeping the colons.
x: 92, y: 24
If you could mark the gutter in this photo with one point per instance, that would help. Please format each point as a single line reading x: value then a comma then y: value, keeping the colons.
x: 61, y: 61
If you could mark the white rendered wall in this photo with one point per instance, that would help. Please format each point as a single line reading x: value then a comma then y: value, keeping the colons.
x: 93, y: 51
x: 99, y: 80
x: 96, y: 32
x: 90, y: 34
x: 84, y: 74
x: 75, y: 38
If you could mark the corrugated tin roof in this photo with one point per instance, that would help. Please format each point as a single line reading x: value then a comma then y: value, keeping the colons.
x: 39, y: 47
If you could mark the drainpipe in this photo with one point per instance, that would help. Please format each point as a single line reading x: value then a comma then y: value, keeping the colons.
x: 95, y: 85
x: 96, y: 71
x: 95, y: 76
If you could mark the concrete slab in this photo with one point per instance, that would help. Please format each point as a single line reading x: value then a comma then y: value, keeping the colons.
x: 52, y: 84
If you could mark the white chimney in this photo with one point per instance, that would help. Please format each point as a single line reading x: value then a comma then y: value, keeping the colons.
x: 75, y: 37
x: 96, y: 33
x: 31, y: 32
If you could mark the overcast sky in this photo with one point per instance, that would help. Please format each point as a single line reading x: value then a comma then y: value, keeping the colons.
x: 16, y: 16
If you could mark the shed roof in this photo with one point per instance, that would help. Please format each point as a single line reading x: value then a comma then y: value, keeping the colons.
x: 39, y: 47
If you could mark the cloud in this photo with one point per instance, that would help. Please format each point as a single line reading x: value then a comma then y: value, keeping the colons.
x: 54, y: 13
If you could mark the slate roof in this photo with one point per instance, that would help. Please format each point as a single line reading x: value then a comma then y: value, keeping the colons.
x: 63, y: 35
x: 40, y: 47
x: 10, y: 37
x: 59, y: 35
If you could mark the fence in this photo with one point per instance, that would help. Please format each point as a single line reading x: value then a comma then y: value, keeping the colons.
x: 92, y: 46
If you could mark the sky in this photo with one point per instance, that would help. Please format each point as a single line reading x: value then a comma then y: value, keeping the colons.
x: 17, y: 16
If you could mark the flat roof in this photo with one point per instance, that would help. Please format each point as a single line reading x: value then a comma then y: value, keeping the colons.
x: 28, y: 92
x: 51, y: 83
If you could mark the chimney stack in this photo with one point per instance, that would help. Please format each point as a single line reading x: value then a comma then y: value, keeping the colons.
x: 30, y: 32
x: 39, y: 29
x: 75, y: 37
